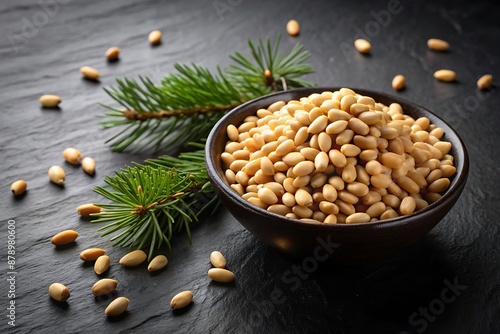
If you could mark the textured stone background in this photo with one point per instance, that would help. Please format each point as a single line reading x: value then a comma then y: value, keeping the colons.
x: 379, y: 298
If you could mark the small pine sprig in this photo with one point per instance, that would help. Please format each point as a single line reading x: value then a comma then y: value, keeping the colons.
x: 151, y: 202
x: 187, y: 103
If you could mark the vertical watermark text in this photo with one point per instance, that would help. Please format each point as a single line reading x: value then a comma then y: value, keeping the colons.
x: 11, y: 273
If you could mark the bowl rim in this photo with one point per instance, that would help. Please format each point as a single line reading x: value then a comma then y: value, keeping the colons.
x: 457, y: 182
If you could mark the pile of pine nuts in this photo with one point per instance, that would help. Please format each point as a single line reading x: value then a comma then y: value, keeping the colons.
x: 337, y: 157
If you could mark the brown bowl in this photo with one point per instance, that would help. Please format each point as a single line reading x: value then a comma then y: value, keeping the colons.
x: 342, y: 243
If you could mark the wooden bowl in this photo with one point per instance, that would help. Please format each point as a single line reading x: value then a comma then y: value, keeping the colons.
x: 342, y: 243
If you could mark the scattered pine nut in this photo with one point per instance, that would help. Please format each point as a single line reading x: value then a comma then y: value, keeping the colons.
x: 57, y: 175
x: 64, y: 237
x: 117, y: 307
x: 18, y: 187
x: 102, y: 264
x: 485, y: 81
x: 85, y: 210
x: 217, y: 259
x: 438, y: 44
x: 91, y: 254
x: 221, y: 275
x: 133, y: 258
x: 399, y: 81
x: 59, y: 292
x: 445, y: 75
x: 88, y: 165
x: 50, y: 101
x: 104, y: 286
x: 72, y: 155
x: 113, y: 53
x: 293, y: 28
x: 155, y: 37
x: 182, y: 299
x: 363, y: 46
x: 90, y: 73
x: 157, y: 263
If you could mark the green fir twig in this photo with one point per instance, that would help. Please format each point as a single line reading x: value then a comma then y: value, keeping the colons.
x: 188, y: 102
x: 151, y: 202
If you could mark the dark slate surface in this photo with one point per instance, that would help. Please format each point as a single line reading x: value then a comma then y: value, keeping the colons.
x: 41, y: 54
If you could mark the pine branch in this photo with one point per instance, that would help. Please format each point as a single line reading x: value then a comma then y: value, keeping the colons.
x: 187, y: 103
x: 151, y: 202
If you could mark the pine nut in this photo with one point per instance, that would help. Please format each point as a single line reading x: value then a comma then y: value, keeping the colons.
x: 302, y: 211
x: 349, y: 173
x: 365, y: 142
x: 102, y: 264
x: 86, y: 210
x: 330, y: 219
x: 373, y: 167
x: 368, y: 155
x: 391, y: 200
x: 376, y: 209
x: 293, y: 28
x: 303, y: 198
x: 357, y: 109
x: 318, y: 125
x: 104, y: 286
x: 90, y: 73
x: 445, y: 75
x: 59, y: 292
x: 381, y: 180
x: 338, y: 115
x: 407, y: 206
x: 117, y: 307
x: 91, y: 254
x: 347, y: 101
x: 398, y: 83
x: 439, y: 185
x: 267, y: 196
x: 112, y: 53
x: 88, y: 165
x: 347, y: 197
x: 408, y: 184
x: 64, y: 237
x: 356, y: 218
x: 344, y: 207
x: 328, y: 207
x: 321, y: 162
x: 371, y: 198
x: 363, y: 46
x: 303, y: 168
x: 50, y: 101
x: 485, y: 81
x: 221, y: 275
x: 361, y: 175
x: 154, y: 37
x: 358, y: 189
x: 329, y: 192
x: 57, y: 175
x: 133, y: 258
x: 279, y: 209
x: 337, y: 182
x: 438, y: 44
x: 18, y: 187
x: 388, y: 214
x: 217, y: 259
x: 181, y: 300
